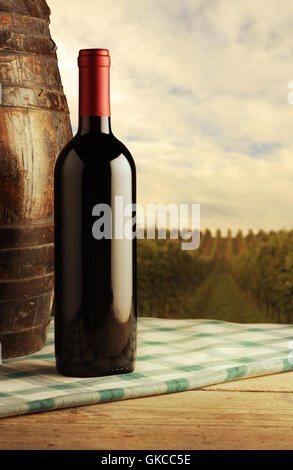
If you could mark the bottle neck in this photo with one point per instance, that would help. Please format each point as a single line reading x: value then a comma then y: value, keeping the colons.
x: 94, y: 91
x: 100, y: 124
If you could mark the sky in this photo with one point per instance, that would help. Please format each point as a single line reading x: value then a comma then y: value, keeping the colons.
x: 199, y: 95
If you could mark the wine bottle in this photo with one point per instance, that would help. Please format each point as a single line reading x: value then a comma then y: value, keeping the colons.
x: 95, y: 258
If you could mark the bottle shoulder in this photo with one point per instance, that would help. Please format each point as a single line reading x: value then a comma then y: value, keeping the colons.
x: 94, y: 149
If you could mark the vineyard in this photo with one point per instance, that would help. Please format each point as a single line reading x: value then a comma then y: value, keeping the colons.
x: 242, y: 278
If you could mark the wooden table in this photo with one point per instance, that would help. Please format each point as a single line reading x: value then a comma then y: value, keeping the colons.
x: 244, y: 414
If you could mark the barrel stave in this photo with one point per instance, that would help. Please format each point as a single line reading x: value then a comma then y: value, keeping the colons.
x: 34, y: 127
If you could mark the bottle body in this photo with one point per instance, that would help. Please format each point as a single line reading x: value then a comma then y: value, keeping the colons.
x: 95, y: 276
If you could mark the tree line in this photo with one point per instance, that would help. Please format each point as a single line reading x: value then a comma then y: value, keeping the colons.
x: 260, y: 262
x: 264, y: 270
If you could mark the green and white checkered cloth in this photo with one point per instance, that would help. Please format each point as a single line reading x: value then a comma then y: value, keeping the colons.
x: 173, y: 355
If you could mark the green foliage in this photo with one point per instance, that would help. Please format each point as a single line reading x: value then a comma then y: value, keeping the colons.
x: 218, y: 233
x: 167, y: 277
x: 229, y: 248
x: 250, y: 237
x: 207, y: 233
x: 265, y: 271
x: 240, y: 278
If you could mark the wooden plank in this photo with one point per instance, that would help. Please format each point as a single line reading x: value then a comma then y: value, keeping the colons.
x: 38, y: 8
x: 202, y: 419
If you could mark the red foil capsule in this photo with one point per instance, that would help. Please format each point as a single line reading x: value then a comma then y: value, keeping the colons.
x: 94, y: 82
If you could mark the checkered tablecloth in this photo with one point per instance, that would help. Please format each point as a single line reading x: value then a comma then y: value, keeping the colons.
x: 173, y: 355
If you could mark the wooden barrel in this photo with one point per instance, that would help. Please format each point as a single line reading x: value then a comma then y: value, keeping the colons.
x: 34, y: 127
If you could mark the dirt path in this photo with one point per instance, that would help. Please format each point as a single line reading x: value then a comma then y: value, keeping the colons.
x: 219, y: 297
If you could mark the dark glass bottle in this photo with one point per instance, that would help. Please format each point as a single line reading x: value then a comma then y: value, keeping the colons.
x: 95, y: 264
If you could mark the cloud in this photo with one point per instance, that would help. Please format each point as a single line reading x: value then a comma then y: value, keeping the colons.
x: 199, y: 95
